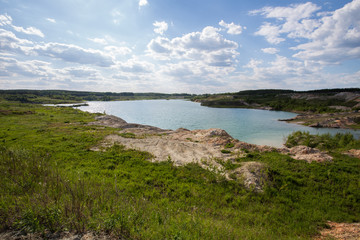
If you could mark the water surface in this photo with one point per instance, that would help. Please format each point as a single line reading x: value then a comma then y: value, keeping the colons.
x: 249, y: 125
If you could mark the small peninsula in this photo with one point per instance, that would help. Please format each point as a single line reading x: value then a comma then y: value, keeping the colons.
x: 330, y: 108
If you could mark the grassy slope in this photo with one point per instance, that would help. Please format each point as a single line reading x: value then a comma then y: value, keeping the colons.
x: 51, y: 180
x: 281, y: 100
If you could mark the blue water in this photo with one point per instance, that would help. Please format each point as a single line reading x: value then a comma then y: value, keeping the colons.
x: 249, y: 125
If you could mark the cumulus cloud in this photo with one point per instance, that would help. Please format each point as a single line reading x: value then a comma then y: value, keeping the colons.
x: 332, y: 37
x: 282, y: 71
x: 208, y: 46
x: 143, y: 3
x: 34, y: 68
x: 271, y: 33
x: 336, y: 39
x: 83, y: 72
x: 29, y: 30
x: 296, y: 21
x: 270, y: 50
x: 135, y: 65
x: 160, y: 27
x: 116, y: 51
x: 10, y: 43
x: 73, y: 53
x: 7, y: 20
x: 232, y: 28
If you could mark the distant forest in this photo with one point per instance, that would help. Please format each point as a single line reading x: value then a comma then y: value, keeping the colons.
x: 62, y: 96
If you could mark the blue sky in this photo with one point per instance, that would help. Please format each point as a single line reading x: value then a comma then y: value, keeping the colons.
x: 173, y: 46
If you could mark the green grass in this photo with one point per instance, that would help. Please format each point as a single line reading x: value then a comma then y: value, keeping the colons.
x: 53, y: 181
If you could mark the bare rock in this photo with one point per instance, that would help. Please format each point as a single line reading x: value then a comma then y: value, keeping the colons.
x: 253, y: 175
x: 353, y: 153
x: 109, y: 121
x: 309, y: 154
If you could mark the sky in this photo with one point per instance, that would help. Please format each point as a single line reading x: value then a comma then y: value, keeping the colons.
x: 179, y: 46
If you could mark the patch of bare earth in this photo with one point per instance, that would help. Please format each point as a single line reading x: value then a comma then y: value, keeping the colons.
x: 340, y: 231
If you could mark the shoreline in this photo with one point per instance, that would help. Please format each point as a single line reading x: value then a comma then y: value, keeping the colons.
x: 340, y: 120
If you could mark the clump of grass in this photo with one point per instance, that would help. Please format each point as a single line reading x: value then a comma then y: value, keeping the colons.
x: 225, y: 151
x: 127, y: 135
x: 229, y: 145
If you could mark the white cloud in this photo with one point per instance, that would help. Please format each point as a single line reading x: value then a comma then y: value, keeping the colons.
x: 33, y: 68
x: 51, y: 20
x: 271, y: 33
x: 293, y: 13
x: 143, y: 3
x: 232, y: 27
x: 9, y: 42
x: 116, y: 51
x: 5, y: 20
x: 207, y: 46
x: 135, y: 65
x: 73, y: 53
x: 283, y: 72
x: 160, y: 27
x: 102, y: 41
x: 332, y: 37
x: 83, y: 73
x: 336, y: 39
x: 270, y: 50
x: 296, y: 21
x: 29, y: 30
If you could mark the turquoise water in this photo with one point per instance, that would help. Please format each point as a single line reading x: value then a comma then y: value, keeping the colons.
x: 249, y: 125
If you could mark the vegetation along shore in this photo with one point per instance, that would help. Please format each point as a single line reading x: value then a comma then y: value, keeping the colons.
x: 68, y: 174
x: 330, y: 108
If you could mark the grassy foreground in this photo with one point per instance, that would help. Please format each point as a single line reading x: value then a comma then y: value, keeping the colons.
x: 51, y: 181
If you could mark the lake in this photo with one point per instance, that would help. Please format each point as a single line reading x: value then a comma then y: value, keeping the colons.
x: 249, y: 125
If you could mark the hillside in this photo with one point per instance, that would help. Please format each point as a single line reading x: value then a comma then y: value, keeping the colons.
x: 336, y: 108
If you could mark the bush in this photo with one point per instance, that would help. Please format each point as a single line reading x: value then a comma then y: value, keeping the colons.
x: 340, y: 141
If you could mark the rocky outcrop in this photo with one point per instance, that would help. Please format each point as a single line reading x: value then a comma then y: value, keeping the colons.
x: 307, y: 154
x: 327, y: 120
x: 353, y: 153
x: 253, y: 175
x: 207, y: 147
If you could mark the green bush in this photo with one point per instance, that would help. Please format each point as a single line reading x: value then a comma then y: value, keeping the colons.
x: 340, y: 141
